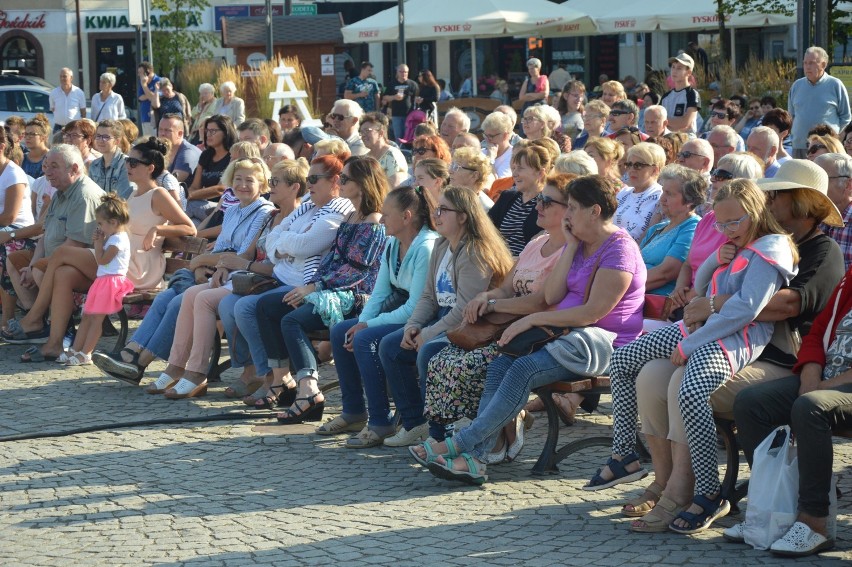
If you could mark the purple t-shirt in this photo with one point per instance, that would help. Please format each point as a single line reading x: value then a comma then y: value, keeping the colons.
x: 619, y: 253
x: 705, y: 242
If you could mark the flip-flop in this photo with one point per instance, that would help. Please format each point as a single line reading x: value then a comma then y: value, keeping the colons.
x: 15, y: 334
x: 33, y: 354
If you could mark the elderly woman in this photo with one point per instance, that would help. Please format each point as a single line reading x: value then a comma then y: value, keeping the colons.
x: 666, y: 245
x: 819, y: 145
x: 81, y: 135
x: 288, y: 118
x: 168, y: 101
x: 471, y: 169
x: 374, y: 134
x: 595, y: 116
x: 433, y: 175
x: 107, y: 104
x: 201, y: 112
x: 638, y: 201
x: 36, y: 138
x: 576, y: 162
x: 229, y: 104
x: 570, y: 107
x: 206, y: 188
x: 538, y: 123
x: 497, y: 129
x: 612, y: 92
x: 456, y: 376
x: 514, y: 213
x: 598, y: 280
x: 347, y: 271
x: 799, y: 210
x: 554, y: 123
x: 501, y: 92
x: 607, y: 154
x: 536, y: 87
x: 409, y: 223
x: 731, y: 338
x: 109, y: 170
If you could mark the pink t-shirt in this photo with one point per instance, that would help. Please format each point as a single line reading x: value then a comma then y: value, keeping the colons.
x: 620, y: 252
x: 705, y: 242
x: 533, y: 268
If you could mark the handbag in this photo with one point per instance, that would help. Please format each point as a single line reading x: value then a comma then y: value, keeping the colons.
x: 533, y: 339
x: 773, y: 490
x: 250, y: 283
x: 484, y: 331
x: 657, y: 307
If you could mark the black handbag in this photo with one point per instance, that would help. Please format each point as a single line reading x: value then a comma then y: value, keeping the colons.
x: 250, y: 283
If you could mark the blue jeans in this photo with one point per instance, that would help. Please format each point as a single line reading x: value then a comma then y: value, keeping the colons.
x: 269, y: 311
x: 157, y: 330
x: 398, y: 123
x: 239, y: 318
x: 294, y: 328
x: 402, y: 368
x: 507, y: 386
x: 360, y: 371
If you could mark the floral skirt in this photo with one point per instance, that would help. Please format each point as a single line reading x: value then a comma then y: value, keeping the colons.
x: 9, y: 248
x: 454, y: 382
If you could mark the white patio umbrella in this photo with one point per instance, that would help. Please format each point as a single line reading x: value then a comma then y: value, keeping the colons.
x: 427, y: 20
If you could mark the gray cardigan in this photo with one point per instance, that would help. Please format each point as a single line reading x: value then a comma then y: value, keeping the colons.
x: 468, y: 281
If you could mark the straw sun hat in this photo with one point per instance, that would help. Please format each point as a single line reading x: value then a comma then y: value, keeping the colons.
x: 803, y: 174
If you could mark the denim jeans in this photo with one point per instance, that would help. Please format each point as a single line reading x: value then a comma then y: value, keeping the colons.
x: 507, y: 386
x: 360, y: 372
x: 239, y: 318
x: 398, y: 124
x: 294, y: 328
x: 269, y: 311
x: 402, y: 368
x: 157, y: 330
x: 759, y: 409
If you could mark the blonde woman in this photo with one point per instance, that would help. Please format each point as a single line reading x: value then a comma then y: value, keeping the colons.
x: 607, y: 154
x: 637, y: 203
x: 595, y: 116
x: 229, y: 104
x: 471, y: 169
x: 819, y: 145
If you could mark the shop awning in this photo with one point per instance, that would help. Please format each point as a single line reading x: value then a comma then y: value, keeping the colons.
x: 465, y: 19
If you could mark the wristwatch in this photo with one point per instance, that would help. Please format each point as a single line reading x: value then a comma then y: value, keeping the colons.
x: 12, y: 235
x: 492, y: 304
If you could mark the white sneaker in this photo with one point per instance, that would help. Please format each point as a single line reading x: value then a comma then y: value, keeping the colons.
x: 406, y: 438
x: 735, y: 533
x: 799, y: 541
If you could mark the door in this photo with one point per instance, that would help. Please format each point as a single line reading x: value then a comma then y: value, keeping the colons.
x: 117, y: 55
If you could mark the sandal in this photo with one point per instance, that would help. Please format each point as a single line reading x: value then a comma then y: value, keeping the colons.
x: 186, y: 389
x: 242, y: 389
x: 619, y: 472
x: 313, y: 411
x: 514, y: 448
x: 112, y: 363
x: 79, y: 359
x: 15, y: 334
x: 658, y: 519
x: 270, y: 400
x: 65, y: 356
x: 34, y: 354
x: 161, y: 384
x: 474, y: 475
x: 711, y: 510
x: 257, y: 395
x: 535, y: 405
x: 431, y: 455
x: 340, y: 425
x: 568, y: 416
x: 645, y: 503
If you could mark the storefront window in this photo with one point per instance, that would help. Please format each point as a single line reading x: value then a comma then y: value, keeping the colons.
x: 571, y: 52
x: 18, y: 53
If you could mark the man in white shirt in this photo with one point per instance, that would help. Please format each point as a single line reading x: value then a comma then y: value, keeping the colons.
x: 683, y: 101
x: 656, y: 121
x: 67, y: 102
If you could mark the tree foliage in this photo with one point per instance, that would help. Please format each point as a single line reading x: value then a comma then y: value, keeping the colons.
x: 175, y: 42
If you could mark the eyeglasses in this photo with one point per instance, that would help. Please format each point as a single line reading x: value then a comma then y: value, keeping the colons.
x: 31, y: 134
x: 619, y: 112
x: 133, y: 162
x: 454, y: 167
x: 72, y: 136
x: 312, y: 179
x: 733, y: 225
x: 274, y: 181
x: 719, y: 115
x: 815, y: 148
x: 363, y: 131
x: 686, y: 154
x: 492, y: 136
x: 720, y: 175
x: 529, y: 119
x: 441, y: 209
x: 546, y: 202
x: 838, y: 177
x: 344, y: 179
x: 636, y: 165
x: 211, y: 131
x: 104, y: 137
x: 422, y: 151
x: 338, y: 116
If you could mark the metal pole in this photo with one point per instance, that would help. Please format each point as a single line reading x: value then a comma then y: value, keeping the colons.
x: 473, y: 78
x: 821, y: 25
x: 400, y: 49
x: 269, y: 47
x: 146, y: 10
x: 803, y: 34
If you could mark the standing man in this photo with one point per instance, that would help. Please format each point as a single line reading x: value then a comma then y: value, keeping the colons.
x: 814, y: 99
x: 149, y: 83
x: 67, y: 102
x: 400, y: 94
x: 364, y: 89
x: 683, y: 101
x: 183, y: 157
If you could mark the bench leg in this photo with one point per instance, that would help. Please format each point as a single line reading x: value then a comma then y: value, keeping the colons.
x: 546, y: 463
x: 121, y: 340
x: 215, y: 369
x: 732, y: 491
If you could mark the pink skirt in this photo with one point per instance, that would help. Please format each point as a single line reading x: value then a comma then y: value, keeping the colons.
x: 106, y: 294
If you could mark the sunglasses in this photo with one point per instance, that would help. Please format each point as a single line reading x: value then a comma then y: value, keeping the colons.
x: 312, y: 179
x: 733, y: 225
x: 618, y: 112
x: 636, y: 165
x: 454, y: 167
x: 133, y: 162
x: 422, y: 151
x: 720, y: 115
x: 720, y: 175
x: 686, y: 154
x: 337, y: 117
x: 344, y: 179
x: 546, y: 202
x: 441, y: 209
x: 815, y: 148
x: 274, y: 181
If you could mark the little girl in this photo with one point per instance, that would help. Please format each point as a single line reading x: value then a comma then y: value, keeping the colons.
x: 112, y: 253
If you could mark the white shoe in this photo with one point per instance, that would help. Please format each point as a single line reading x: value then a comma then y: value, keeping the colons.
x: 406, y: 438
x: 799, y: 541
x: 735, y: 533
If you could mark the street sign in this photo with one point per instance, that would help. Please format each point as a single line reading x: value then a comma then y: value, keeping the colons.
x: 304, y: 10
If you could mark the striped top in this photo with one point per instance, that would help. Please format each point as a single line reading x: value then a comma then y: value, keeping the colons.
x: 240, y: 225
x: 512, y: 225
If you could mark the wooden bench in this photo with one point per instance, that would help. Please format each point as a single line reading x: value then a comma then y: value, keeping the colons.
x: 178, y: 252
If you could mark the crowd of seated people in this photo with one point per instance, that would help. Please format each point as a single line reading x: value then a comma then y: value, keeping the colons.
x: 566, y: 219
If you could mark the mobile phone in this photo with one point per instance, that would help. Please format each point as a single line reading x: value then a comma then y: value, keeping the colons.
x: 347, y: 339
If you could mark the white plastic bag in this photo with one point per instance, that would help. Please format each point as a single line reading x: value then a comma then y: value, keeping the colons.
x: 773, y: 492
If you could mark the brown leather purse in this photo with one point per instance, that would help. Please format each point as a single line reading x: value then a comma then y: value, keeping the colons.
x: 483, y: 332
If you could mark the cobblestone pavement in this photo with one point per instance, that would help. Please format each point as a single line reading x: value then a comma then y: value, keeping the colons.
x: 249, y: 493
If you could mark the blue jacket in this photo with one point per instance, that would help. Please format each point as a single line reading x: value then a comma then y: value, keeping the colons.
x: 412, y: 275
